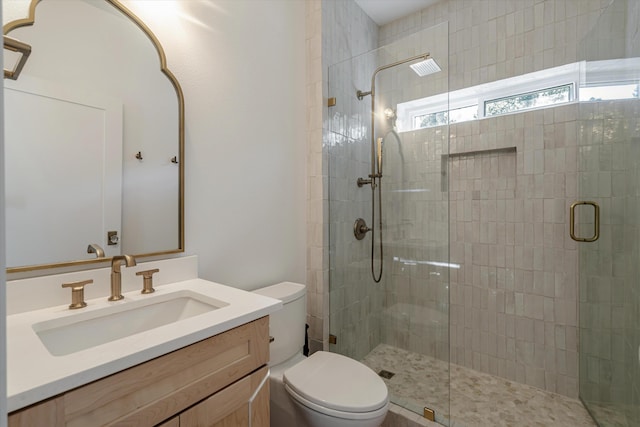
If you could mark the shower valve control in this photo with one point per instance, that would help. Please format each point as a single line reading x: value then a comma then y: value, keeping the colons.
x: 360, y: 228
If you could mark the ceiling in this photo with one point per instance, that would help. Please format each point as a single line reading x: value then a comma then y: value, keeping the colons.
x: 384, y: 11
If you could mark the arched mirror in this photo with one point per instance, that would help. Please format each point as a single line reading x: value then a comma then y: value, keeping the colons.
x: 94, y: 139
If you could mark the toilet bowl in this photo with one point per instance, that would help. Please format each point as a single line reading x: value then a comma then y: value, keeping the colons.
x: 324, y: 389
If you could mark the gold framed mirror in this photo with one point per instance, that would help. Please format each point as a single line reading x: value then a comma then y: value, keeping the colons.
x: 94, y: 139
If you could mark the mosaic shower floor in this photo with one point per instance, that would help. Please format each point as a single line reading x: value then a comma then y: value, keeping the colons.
x: 477, y: 399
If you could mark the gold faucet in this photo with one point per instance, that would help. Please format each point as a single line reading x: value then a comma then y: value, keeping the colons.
x: 94, y: 248
x: 116, y: 279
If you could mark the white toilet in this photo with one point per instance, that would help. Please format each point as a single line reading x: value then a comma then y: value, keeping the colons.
x: 323, y: 390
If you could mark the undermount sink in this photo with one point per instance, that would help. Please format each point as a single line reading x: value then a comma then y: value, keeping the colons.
x: 81, y: 331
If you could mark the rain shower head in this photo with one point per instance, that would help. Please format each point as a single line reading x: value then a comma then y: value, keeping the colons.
x: 426, y: 67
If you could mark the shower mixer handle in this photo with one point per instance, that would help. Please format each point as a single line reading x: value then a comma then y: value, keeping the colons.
x: 360, y: 228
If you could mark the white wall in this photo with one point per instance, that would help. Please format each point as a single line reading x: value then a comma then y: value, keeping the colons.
x: 241, y: 65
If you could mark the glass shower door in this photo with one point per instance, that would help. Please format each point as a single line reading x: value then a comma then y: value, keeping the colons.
x: 609, y: 267
x: 398, y: 326
x: 609, y: 175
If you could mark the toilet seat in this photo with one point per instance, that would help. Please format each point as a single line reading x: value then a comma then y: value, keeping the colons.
x: 337, y: 386
x: 335, y: 413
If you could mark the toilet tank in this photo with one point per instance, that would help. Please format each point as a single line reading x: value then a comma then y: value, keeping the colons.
x: 287, y: 325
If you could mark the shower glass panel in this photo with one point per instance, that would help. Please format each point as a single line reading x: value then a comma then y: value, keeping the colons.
x: 400, y: 326
x: 609, y: 175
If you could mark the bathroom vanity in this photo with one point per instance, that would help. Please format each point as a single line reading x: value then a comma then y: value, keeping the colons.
x: 211, y: 382
x: 204, y: 364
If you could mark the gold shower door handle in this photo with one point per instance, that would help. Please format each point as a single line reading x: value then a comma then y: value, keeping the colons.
x: 596, y: 222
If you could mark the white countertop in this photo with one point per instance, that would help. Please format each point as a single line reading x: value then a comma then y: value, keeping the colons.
x: 33, y: 374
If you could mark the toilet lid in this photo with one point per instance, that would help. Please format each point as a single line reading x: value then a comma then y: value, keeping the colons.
x: 337, y: 382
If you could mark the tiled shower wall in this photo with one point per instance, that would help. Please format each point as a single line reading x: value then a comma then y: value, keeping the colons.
x: 415, y: 204
x: 496, y: 39
x: 355, y: 300
x: 489, y: 40
x: 317, y: 214
x: 609, y: 161
x: 633, y: 29
x: 609, y: 165
x: 364, y: 313
x: 346, y: 33
x: 416, y: 234
x: 632, y: 294
x: 534, y: 339
x: 513, y: 299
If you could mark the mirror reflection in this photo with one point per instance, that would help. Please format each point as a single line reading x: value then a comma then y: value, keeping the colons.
x: 93, y: 139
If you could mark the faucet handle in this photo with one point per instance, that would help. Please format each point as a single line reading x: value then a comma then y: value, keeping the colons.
x: 147, y: 280
x: 77, y: 293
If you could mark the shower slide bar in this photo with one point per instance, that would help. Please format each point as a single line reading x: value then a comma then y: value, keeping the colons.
x: 426, y: 66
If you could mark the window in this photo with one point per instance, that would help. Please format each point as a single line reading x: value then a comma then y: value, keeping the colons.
x: 443, y: 117
x: 579, y: 81
x: 526, y: 101
x: 604, y: 93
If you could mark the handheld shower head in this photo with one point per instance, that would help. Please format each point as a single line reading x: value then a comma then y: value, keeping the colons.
x: 389, y: 113
x: 379, y: 155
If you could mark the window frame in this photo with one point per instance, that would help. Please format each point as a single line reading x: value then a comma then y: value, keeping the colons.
x: 478, y: 95
x: 582, y: 74
x: 572, y: 98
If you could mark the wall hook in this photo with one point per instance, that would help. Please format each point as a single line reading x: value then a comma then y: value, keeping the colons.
x: 139, y: 155
x: 174, y: 159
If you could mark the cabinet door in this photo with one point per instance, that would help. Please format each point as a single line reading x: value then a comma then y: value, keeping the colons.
x: 161, y: 388
x: 232, y: 407
x: 49, y: 413
x: 157, y: 390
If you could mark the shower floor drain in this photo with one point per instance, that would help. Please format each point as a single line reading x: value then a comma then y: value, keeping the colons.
x: 386, y: 374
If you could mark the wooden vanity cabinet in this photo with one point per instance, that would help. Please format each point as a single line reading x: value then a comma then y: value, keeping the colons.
x: 209, y: 383
x: 231, y: 407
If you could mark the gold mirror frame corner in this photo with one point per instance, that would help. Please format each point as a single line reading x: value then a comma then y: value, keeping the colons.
x: 30, y: 20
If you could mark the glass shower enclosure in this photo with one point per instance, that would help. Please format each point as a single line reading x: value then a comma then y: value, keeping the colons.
x: 609, y: 181
x: 395, y: 294
x: 389, y: 290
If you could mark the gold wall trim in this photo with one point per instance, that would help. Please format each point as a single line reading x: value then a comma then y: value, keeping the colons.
x: 30, y: 20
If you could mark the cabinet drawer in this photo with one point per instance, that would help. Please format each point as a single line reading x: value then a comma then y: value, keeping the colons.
x: 154, y: 391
